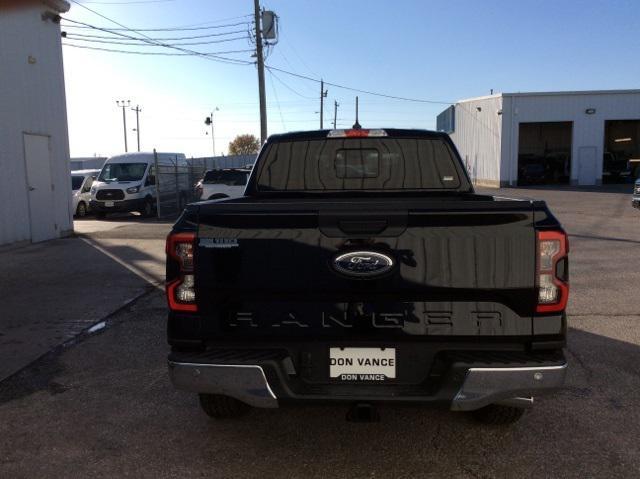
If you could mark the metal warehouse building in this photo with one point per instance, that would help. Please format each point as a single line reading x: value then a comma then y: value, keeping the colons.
x: 35, y: 187
x: 578, y: 138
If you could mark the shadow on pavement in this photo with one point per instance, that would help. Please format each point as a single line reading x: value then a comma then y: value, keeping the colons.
x: 53, y: 291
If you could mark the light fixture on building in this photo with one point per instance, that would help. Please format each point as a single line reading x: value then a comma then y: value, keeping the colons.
x: 622, y: 140
x: 590, y: 111
x: 479, y: 108
x: 499, y: 112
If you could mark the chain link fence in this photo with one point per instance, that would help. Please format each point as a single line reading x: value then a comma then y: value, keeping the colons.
x: 176, y: 178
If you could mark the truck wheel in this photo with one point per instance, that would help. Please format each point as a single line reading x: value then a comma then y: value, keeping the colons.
x: 218, y: 406
x: 498, y: 415
x: 81, y: 210
x: 147, y: 212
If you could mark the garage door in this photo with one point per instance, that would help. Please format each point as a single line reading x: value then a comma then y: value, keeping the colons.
x: 544, y: 153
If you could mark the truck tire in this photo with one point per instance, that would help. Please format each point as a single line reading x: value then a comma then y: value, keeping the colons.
x: 147, y: 211
x: 219, y: 407
x: 496, y: 414
x: 81, y: 210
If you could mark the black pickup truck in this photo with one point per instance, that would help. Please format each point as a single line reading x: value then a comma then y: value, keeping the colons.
x: 361, y: 267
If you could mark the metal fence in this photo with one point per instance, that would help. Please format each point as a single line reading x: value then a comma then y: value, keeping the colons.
x: 175, y: 178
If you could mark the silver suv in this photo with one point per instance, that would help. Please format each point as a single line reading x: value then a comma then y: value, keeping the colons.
x: 635, y: 201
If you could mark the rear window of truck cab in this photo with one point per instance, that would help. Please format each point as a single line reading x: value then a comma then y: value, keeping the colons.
x: 367, y: 164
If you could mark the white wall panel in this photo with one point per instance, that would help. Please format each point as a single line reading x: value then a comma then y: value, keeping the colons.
x: 32, y: 100
x: 477, y: 136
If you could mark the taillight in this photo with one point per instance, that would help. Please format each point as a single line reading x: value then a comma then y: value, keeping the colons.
x: 181, y: 293
x: 552, y: 271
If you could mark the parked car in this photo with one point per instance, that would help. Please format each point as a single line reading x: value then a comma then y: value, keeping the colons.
x: 223, y: 183
x: 81, y: 181
x: 635, y: 200
x: 360, y: 267
x: 128, y: 182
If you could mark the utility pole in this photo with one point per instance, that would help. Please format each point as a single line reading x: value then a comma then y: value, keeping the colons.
x: 357, y: 125
x: 260, y: 58
x: 335, y: 112
x: 137, y: 109
x: 323, y: 95
x: 124, y: 104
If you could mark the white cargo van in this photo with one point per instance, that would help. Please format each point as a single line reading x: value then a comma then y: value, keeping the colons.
x: 128, y: 182
x: 81, y: 181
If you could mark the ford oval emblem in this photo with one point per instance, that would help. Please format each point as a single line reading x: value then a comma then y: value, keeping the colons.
x: 363, y: 264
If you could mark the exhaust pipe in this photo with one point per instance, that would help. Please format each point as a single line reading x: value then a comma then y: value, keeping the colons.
x: 363, y: 412
x: 524, y: 403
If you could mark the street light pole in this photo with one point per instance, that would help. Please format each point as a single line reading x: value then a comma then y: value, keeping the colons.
x: 209, y: 121
x: 124, y: 104
x: 137, y: 109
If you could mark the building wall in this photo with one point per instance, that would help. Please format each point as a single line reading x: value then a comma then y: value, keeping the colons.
x: 32, y: 100
x: 588, y: 130
x: 478, y: 137
x: 88, y: 163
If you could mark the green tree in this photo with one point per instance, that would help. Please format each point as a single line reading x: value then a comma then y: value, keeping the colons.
x: 244, y: 145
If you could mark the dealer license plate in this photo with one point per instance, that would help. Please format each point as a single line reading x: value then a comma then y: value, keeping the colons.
x: 108, y: 203
x: 362, y: 364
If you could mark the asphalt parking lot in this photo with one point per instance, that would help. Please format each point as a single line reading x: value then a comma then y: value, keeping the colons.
x: 103, y: 406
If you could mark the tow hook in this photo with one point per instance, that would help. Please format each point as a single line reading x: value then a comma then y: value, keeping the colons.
x: 363, y: 412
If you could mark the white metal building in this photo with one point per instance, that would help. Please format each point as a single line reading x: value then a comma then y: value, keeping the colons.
x: 87, y: 163
x: 34, y: 143
x: 579, y: 138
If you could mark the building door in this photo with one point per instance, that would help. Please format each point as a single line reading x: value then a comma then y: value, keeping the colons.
x: 37, y: 159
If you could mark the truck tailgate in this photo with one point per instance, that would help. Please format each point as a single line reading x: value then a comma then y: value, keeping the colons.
x: 461, y: 268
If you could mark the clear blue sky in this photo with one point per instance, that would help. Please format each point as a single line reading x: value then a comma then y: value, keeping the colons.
x: 439, y: 50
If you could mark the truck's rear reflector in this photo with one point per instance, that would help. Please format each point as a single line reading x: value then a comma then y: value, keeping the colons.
x: 356, y: 133
x: 181, y: 294
x: 552, y: 271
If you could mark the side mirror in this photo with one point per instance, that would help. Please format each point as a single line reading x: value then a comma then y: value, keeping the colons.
x: 151, y: 180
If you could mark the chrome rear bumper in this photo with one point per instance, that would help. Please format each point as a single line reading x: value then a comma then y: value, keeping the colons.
x: 246, y: 383
x: 509, y: 386
x: 481, y: 386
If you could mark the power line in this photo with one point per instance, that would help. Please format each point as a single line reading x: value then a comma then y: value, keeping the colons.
x: 150, y: 40
x: 146, y: 44
x: 235, y: 61
x: 193, y: 37
x: 169, y: 54
x: 366, y: 92
x: 275, y: 94
x: 131, y: 2
x: 288, y: 87
x: 167, y: 29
